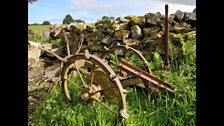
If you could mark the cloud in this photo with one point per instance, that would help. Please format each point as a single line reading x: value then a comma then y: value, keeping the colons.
x: 183, y: 2
x: 104, y: 6
x: 92, y: 10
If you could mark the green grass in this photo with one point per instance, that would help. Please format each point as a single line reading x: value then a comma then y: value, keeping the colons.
x: 178, y: 109
x: 37, y: 29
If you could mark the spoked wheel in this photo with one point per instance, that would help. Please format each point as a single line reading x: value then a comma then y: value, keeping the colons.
x: 116, y: 54
x: 88, y: 77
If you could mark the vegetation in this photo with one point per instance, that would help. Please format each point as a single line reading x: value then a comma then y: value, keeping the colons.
x: 106, y: 17
x: 31, y: 1
x: 164, y: 110
x: 46, y: 23
x: 79, y: 21
x: 68, y: 19
x: 35, y: 33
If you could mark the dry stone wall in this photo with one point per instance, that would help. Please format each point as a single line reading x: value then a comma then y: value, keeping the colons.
x: 145, y: 33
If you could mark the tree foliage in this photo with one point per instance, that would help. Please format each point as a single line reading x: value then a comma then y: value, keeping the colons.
x: 106, y: 17
x: 68, y: 19
x: 31, y: 1
x: 46, y: 23
x: 79, y: 21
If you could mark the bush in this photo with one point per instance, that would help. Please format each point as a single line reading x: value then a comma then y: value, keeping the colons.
x: 68, y: 19
x: 46, y: 23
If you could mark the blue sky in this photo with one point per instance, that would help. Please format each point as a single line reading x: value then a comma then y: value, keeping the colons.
x: 93, y: 10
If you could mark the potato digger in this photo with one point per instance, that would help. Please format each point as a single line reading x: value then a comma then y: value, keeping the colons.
x: 87, y: 77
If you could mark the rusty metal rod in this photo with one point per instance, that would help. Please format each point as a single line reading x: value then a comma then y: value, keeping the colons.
x: 56, y: 55
x: 67, y: 43
x: 166, y: 49
x: 146, y: 76
x: 80, y: 43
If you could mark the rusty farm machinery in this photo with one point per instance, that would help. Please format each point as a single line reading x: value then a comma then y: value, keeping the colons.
x: 90, y: 78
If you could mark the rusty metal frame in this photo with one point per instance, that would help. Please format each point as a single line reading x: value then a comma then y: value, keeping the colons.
x: 146, y: 76
x: 127, y: 48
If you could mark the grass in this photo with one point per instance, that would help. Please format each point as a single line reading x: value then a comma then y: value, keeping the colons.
x: 178, y: 109
x: 37, y: 29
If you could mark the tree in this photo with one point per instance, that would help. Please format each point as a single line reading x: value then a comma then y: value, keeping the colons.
x: 68, y: 19
x: 79, y: 21
x: 31, y: 1
x: 46, y: 23
x: 106, y: 17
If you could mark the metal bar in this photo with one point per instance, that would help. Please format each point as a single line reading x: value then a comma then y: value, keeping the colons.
x: 56, y: 55
x: 67, y: 43
x: 80, y: 43
x: 146, y: 76
x: 166, y: 50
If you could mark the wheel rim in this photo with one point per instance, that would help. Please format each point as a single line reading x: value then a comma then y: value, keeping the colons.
x: 92, y: 88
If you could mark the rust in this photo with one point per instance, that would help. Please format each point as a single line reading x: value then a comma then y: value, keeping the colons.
x: 106, y: 71
x: 80, y: 44
x: 127, y: 48
x: 166, y: 48
x: 67, y: 43
x: 146, y: 76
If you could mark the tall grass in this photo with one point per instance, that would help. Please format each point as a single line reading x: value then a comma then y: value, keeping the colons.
x: 164, y: 110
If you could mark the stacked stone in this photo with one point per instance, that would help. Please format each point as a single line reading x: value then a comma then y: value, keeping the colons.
x: 145, y: 33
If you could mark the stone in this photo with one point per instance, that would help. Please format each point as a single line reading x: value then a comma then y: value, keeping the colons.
x: 122, y: 20
x: 57, y: 51
x: 84, y: 47
x: 89, y: 29
x: 179, y: 15
x: 104, y: 24
x: 172, y: 17
x: 93, y: 43
x: 35, y: 74
x: 121, y: 35
x: 98, y: 53
x: 136, y: 32
x: 107, y: 40
x: 113, y: 28
x: 34, y: 54
x: 151, y: 31
x: 97, y: 48
x: 194, y: 11
x: 95, y: 36
x: 33, y: 44
x: 136, y: 20
x: 52, y: 71
x: 107, y: 23
x: 181, y: 27
x: 54, y: 79
x: 155, y: 40
x: 153, y: 19
x: 190, y: 18
x: 131, y: 42
x: 191, y: 35
x: 48, y: 46
x: 124, y: 26
x: 81, y: 26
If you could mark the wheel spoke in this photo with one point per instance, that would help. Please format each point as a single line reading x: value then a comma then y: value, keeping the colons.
x: 108, y: 108
x: 85, y: 85
x: 75, y: 85
x: 101, y: 90
x: 92, y: 75
x: 116, y: 58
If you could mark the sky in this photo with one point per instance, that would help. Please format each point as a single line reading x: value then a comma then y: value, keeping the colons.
x: 92, y: 10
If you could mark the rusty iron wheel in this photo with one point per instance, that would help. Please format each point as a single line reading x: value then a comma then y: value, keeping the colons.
x: 96, y: 80
x: 116, y: 54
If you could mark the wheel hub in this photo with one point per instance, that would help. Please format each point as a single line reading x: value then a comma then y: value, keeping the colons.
x: 89, y: 93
